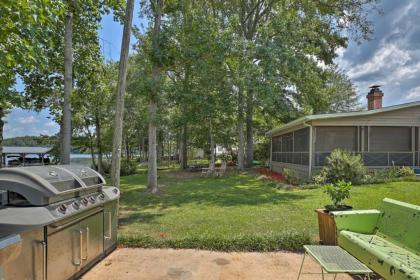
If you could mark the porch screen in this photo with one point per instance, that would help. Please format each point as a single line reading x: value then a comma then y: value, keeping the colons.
x: 301, y: 137
x: 390, y: 139
x: 287, y: 143
x: 277, y: 144
x: 329, y: 138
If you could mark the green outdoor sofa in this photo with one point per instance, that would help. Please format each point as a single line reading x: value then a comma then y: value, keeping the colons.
x: 387, y: 241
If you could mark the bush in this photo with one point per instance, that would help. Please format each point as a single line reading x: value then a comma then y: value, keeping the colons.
x: 405, y: 171
x: 338, y: 192
x: 394, y: 173
x: 291, y: 176
x: 128, y: 168
x: 343, y: 166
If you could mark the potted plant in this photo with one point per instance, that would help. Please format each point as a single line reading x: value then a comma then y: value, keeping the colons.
x: 337, y: 193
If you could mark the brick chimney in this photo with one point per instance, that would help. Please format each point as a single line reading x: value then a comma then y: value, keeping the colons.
x: 374, y: 97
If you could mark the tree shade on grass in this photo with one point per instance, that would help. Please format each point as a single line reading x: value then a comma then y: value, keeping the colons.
x: 235, y: 212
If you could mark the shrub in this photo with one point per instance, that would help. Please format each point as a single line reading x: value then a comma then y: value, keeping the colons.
x: 291, y: 176
x: 405, y: 171
x: 128, y: 168
x: 343, y: 166
x: 338, y: 192
x: 394, y: 173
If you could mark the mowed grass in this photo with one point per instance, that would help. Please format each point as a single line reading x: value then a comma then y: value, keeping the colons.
x: 238, y: 208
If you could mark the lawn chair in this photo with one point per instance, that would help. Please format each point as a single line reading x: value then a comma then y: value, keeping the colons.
x: 206, y: 171
x: 220, y: 171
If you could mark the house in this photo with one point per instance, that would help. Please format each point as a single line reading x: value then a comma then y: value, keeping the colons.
x: 383, y: 136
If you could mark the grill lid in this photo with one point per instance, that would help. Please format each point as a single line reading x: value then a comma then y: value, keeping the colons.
x: 38, y: 184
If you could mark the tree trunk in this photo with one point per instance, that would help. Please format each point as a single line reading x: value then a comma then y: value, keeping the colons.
x: 249, y: 128
x: 68, y: 85
x: 119, y: 110
x: 99, y: 144
x: 152, y: 184
x: 212, y: 154
x: 1, y: 137
x: 92, y: 153
x: 241, y: 139
x: 184, y: 148
x: 159, y: 149
x: 127, y: 150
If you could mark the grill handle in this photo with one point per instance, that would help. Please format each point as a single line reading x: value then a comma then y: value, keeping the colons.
x: 87, y: 243
x: 44, y: 259
x: 109, y: 236
x: 79, y: 261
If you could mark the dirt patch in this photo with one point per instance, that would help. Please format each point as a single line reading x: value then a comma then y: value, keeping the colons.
x: 170, y: 264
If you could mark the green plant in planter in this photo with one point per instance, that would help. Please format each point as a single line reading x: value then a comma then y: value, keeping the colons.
x: 338, y: 192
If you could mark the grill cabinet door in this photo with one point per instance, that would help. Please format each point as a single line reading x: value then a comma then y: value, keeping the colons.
x: 64, y: 252
x: 110, y: 224
x: 93, y: 244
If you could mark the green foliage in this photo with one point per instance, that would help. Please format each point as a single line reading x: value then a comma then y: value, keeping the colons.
x: 405, y: 171
x: 342, y: 165
x: 338, y: 191
x: 128, y: 167
x: 395, y: 173
x: 28, y: 141
x: 291, y: 176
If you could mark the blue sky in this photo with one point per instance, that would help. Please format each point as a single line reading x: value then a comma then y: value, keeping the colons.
x: 391, y: 59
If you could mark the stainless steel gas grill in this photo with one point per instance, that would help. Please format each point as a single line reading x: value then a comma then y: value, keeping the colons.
x: 55, y: 221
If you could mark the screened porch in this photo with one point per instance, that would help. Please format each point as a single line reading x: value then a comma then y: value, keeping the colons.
x: 379, y: 146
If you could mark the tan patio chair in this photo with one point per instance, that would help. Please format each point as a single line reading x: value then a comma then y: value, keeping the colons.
x: 206, y: 171
x: 220, y: 171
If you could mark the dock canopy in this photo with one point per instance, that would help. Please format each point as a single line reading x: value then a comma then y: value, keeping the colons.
x: 17, y: 156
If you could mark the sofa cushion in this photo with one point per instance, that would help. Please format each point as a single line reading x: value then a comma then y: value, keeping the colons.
x: 400, y: 223
x: 381, y: 255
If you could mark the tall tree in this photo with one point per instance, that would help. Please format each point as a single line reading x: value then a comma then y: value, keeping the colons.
x: 65, y: 128
x: 120, y: 94
x: 152, y: 184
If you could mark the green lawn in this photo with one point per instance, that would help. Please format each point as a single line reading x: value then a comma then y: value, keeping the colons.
x: 233, y: 207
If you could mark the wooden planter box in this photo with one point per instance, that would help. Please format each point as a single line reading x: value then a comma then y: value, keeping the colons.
x: 327, y: 229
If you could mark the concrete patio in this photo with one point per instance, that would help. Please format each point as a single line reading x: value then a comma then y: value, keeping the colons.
x: 171, y: 264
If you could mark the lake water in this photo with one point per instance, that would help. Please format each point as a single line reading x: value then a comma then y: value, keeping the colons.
x: 81, y: 159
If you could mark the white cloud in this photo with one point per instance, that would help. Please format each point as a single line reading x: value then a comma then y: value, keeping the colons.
x: 27, y: 120
x: 51, y: 124
x: 413, y: 94
x: 388, y: 57
x: 22, y: 123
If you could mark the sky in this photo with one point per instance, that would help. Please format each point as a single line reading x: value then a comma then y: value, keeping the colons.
x: 391, y: 58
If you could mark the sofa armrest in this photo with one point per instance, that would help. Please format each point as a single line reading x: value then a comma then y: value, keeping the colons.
x: 360, y: 221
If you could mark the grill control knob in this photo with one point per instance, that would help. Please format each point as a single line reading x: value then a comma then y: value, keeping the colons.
x: 76, y: 205
x: 85, y: 201
x: 92, y: 199
x: 101, y: 196
x: 62, y: 209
